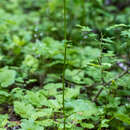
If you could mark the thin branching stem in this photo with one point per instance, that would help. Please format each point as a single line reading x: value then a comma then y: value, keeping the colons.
x: 64, y: 67
x: 108, y: 83
x: 104, y: 84
x: 102, y: 70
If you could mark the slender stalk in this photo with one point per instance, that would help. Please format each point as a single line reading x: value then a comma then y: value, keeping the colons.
x: 64, y: 67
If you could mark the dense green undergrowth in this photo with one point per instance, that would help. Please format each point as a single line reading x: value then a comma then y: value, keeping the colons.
x: 97, y: 80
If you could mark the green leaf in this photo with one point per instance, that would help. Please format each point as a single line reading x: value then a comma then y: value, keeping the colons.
x: 108, y: 40
x: 74, y: 75
x: 87, y: 125
x: 23, y: 109
x: 126, y: 33
x: 72, y: 92
x: 116, y: 26
x: 84, y: 106
x: 42, y: 114
x: 104, y: 123
x: 46, y: 122
x: 7, y: 77
x: 30, y: 125
x: 54, y: 104
x: 51, y: 89
x: 31, y: 62
x: 123, y: 117
x: 84, y: 28
x: 3, y: 120
x: 4, y: 95
x: 36, y: 98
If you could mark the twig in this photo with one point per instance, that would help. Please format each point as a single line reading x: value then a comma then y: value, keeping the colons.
x: 108, y: 83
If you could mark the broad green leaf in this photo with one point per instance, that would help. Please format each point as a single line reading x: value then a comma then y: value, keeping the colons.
x: 51, y: 89
x: 46, y: 122
x: 3, y: 120
x: 87, y: 125
x: 36, y: 98
x: 30, y: 125
x: 104, y: 123
x: 81, y: 106
x: 42, y: 114
x: 116, y: 26
x: 7, y: 77
x: 123, y: 117
x: 23, y: 109
x: 31, y: 62
x: 72, y: 92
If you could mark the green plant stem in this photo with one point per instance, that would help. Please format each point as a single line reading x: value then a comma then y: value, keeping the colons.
x: 64, y: 67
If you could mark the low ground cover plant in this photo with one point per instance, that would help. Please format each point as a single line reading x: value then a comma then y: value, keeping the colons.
x: 87, y: 51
